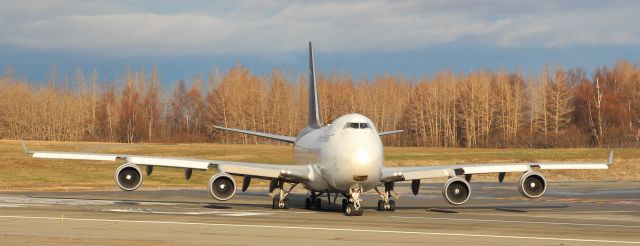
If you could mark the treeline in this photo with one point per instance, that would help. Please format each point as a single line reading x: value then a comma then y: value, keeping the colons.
x: 553, y: 108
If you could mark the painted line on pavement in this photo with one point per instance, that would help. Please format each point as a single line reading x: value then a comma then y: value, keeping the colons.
x: 518, y: 221
x: 326, y: 229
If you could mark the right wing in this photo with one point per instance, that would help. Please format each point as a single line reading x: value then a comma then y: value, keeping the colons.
x: 260, y: 134
x: 292, y: 173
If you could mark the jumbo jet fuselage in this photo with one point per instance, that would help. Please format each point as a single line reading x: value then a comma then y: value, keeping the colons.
x: 346, y: 152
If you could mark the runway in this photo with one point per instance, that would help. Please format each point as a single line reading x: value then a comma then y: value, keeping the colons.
x: 576, y: 213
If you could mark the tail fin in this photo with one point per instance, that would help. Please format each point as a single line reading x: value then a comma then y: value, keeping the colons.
x: 313, y: 120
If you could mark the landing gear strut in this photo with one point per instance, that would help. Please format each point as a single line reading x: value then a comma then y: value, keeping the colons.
x: 385, y: 203
x: 280, y: 200
x: 353, y: 205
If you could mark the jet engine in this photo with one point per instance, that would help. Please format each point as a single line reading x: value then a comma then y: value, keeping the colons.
x: 532, y: 185
x: 456, y: 191
x: 222, y: 186
x: 128, y: 177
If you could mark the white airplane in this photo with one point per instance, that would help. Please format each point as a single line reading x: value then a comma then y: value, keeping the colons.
x: 342, y: 158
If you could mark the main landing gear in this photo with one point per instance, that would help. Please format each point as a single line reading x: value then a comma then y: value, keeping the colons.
x: 386, y: 204
x: 313, y: 201
x: 280, y: 200
x: 353, y: 205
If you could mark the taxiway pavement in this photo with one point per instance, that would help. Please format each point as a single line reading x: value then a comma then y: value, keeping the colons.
x: 571, y: 213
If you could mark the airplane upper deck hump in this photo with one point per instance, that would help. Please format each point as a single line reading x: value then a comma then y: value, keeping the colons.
x: 313, y: 120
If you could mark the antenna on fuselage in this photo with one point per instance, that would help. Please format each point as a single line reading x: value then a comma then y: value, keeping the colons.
x: 313, y: 120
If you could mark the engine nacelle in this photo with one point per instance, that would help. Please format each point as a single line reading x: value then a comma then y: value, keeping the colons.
x: 532, y: 185
x: 128, y: 177
x: 456, y: 191
x: 222, y: 186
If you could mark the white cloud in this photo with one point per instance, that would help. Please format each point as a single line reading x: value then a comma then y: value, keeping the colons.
x: 183, y: 28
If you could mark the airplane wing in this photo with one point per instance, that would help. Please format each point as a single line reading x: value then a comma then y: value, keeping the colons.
x: 416, y: 173
x: 389, y: 132
x: 293, y: 173
x: 260, y: 134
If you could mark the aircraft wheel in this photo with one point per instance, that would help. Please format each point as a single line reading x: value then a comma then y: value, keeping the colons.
x: 350, y: 210
x: 285, y: 204
x: 345, y: 202
x: 392, y: 205
x: 360, y: 211
x: 318, y: 203
x: 307, y: 203
x: 381, y: 205
x: 276, y: 200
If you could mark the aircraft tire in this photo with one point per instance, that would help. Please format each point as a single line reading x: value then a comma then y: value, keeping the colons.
x: 381, y: 205
x: 360, y: 211
x: 274, y: 204
x: 350, y: 210
x: 392, y: 205
x: 307, y: 203
x: 318, y: 203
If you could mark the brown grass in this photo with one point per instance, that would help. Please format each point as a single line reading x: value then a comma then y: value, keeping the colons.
x: 19, y: 172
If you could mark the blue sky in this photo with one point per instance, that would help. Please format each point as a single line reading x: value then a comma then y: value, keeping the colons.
x: 185, y: 38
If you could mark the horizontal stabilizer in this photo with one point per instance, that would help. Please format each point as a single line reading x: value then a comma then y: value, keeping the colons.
x: 260, y: 134
x: 389, y: 132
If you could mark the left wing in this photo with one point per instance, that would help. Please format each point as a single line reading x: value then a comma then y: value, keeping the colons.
x: 416, y: 173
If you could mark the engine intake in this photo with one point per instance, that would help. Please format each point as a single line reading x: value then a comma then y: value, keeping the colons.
x: 128, y: 177
x: 532, y: 185
x: 456, y: 191
x: 222, y: 186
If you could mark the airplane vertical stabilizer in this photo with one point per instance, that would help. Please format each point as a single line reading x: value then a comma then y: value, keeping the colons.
x: 313, y: 120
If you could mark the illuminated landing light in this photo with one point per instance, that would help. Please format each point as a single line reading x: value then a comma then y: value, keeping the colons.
x: 360, y: 157
x: 285, y: 171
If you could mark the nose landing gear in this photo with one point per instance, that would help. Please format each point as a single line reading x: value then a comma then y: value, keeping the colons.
x: 353, y: 205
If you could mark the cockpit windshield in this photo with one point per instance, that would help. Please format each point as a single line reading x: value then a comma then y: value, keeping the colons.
x: 356, y: 125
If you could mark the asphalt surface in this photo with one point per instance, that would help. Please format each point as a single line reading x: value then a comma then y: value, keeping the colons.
x: 594, y: 213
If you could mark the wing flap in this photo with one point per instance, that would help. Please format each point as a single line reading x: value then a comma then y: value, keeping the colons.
x: 295, y: 172
x: 170, y: 162
x: 74, y: 156
x: 489, y: 168
x: 567, y: 166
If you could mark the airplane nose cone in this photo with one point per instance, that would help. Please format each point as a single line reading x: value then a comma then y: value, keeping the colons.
x: 360, y: 158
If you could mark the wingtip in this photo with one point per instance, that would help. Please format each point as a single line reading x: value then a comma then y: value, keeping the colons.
x: 24, y: 147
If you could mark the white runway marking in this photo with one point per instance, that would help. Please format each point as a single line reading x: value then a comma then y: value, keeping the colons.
x: 71, y: 201
x: 151, y: 211
x: 328, y: 229
x: 19, y: 205
x: 517, y: 221
x: 557, y: 217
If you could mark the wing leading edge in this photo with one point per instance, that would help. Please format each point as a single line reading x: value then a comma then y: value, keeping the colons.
x: 260, y: 134
x: 293, y: 173
x: 413, y: 173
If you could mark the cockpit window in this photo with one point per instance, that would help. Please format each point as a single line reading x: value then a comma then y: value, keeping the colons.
x: 356, y: 125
